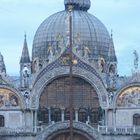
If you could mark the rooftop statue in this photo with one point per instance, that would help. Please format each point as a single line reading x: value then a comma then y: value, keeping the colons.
x: 136, y: 59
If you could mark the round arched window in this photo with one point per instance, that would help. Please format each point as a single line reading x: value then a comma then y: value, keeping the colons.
x: 57, y: 94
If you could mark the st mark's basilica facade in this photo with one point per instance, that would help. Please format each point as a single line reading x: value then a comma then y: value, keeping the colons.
x: 70, y: 87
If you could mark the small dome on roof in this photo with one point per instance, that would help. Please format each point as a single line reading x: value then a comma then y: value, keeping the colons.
x: 78, y: 4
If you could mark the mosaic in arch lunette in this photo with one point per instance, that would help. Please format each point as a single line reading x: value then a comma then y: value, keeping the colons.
x: 130, y: 97
x: 8, y: 98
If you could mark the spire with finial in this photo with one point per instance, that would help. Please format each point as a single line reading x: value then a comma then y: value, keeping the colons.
x: 2, y: 65
x: 78, y: 4
x: 112, y: 54
x: 25, y: 58
x: 25, y: 66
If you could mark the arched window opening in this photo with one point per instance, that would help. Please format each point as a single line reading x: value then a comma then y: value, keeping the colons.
x: 136, y: 119
x: 57, y: 93
x: 112, y: 69
x: 82, y: 115
x: 2, y: 123
x: 56, y: 114
x: 94, y: 116
x: 43, y: 116
x: 67, y: 114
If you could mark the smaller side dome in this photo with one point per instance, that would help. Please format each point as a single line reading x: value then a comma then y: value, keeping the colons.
x: 78, y: 4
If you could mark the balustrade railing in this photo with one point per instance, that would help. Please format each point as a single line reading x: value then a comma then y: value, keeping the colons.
x: 106, y: 130
x: 15, y: 131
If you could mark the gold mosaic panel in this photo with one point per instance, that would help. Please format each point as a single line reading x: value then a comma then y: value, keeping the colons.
x: 129, y: 97
x: 8, y: 98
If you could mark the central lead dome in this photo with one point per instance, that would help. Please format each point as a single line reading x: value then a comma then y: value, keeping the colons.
x: 90, y: 37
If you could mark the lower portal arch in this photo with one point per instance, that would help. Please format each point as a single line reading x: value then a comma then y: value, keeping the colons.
x: 61, y: 130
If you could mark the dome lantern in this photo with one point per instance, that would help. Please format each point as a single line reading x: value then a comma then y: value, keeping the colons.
x: 78, y: 4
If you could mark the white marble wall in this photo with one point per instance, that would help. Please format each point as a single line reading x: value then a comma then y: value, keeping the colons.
x: 13, y: 119
x: 124, y: 117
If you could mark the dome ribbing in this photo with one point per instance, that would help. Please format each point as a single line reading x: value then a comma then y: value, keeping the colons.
x: 89, y: 36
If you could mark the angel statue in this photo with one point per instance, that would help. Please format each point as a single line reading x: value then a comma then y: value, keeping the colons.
x: 136, y: 59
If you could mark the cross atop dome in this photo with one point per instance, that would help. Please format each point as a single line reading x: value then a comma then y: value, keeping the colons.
x: 78, y: 4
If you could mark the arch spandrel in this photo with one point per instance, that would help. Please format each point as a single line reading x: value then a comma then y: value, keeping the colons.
x: 60, y: 71
x: 128, y: 97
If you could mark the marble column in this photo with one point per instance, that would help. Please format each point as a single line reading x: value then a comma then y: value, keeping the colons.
x: 49, y: 111
x: 106, y: 117
x: 114, y: 117
x: 35, y: 121
x: 76, y: 115
x: 62, y: 115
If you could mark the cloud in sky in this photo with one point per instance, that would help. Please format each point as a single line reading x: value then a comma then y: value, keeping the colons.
x: 16, y: 17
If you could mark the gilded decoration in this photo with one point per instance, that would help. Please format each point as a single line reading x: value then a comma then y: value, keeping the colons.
x: 8, y: 98
x: 129, y: 97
